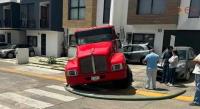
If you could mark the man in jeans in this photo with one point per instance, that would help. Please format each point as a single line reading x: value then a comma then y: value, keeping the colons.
x: 196, y: 71
x: 151, y: 60
x: 166, y: 57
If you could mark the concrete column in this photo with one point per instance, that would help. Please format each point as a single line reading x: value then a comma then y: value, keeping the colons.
x: 112, y: 11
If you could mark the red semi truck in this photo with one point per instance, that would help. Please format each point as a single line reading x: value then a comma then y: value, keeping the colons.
x: 97, y: 59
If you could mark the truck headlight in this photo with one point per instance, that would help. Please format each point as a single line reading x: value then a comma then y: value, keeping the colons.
x: 72, y: 73
x: 117, y: 67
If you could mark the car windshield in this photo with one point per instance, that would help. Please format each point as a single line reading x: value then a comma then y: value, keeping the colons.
x: 127, y: 49
x: 182, y: 54
x: 133, y: 48
x: 10, y: 46
x: 93, y: 36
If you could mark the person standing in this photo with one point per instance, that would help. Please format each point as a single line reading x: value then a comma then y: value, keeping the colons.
x: 173, y: 62
x: 151, y: 60
x: 167, y: 55
x: 196, y: 71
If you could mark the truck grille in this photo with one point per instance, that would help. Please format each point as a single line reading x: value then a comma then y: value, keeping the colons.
x: 100, y: 63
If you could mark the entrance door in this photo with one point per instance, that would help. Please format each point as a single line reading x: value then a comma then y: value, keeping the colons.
x: 9, y: 38
x: 43, y: 44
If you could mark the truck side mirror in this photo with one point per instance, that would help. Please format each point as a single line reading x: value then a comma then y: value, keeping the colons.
x: 72, y: 52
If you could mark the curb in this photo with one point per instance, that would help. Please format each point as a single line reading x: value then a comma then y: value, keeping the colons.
x: 121, y: 97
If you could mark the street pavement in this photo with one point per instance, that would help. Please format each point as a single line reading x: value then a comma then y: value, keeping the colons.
x: 19, y: 91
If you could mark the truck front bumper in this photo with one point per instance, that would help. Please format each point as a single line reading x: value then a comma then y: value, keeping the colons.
x: 93, y: 78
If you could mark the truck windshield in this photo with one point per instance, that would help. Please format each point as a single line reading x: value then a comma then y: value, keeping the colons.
x: 93, y: 36
x: 94, y: 39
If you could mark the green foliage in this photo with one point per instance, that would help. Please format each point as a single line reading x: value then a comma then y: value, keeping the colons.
x: 51, y: 60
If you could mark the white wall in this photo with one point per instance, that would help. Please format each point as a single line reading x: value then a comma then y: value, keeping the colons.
x: 186, y: 23
x: 118, y: 12
x: 3, y: 1
x: 54, y: 41
x: 17, y: 37
x: 99, y: 14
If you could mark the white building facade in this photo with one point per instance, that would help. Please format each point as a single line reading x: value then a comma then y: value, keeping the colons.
x: 128, y: 22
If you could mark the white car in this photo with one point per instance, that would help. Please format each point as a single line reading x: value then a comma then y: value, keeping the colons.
x: 136, y: 52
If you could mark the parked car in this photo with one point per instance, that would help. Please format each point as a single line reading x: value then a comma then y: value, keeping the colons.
x: 185, y: 65
x: 9, y: 51
x: 136, y: 52
x: 3, y: 45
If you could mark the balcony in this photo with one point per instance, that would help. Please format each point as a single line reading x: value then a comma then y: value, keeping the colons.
x: 5, y: 24
x: 44, y: 23
x: 28, y: 24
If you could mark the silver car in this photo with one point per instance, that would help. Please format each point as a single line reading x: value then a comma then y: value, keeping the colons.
x: 136, y: 52
x: 185, y: 65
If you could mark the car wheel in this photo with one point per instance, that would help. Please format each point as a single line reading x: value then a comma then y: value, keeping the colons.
x: 188, y: 75
x: 31, y: 54
x: 10, y: 55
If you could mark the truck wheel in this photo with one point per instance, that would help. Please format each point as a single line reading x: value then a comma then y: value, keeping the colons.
x: 75, y: 87
x: 125, y: 83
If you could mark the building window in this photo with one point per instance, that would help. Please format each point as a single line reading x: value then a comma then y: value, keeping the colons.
x: 32, y: 41
x: 76, y: 9
x: 129, y: 37
x: 27, y: 13
x: 2, y: 38
x: 106, y: 13
x: 194, y: 9
x: 156, y: 7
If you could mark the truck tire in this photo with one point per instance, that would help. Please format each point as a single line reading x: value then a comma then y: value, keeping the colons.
x: 124, y: 83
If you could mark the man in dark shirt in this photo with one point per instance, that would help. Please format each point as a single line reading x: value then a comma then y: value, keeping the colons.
x: 167, y: 55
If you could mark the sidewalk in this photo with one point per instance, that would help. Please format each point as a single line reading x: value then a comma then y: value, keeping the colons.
x: 139, y: 72
x: 41, y: 62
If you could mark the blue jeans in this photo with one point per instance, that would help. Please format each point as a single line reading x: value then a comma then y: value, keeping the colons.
x: 197, y: 94
x: 172, y: 75
x: 165, y: 74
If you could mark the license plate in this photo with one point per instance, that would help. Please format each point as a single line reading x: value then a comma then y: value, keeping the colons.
x: 95, y: 78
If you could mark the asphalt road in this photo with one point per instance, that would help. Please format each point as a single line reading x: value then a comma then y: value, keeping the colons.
x: 22, y: 92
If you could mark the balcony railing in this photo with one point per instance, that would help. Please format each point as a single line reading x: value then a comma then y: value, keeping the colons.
x: 28, y: 24
x: 1, y: 23
x: 5, y: 23
x: 44, y: 23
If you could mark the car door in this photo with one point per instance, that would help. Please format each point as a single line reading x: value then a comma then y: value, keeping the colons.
x: 137, y: 53
x: 191, y: 56
x: 127, y: 52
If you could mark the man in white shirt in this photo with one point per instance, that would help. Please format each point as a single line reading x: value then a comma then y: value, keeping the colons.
x: 196, y: 71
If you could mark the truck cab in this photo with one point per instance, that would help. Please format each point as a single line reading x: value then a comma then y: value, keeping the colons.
x: 97, y: 59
